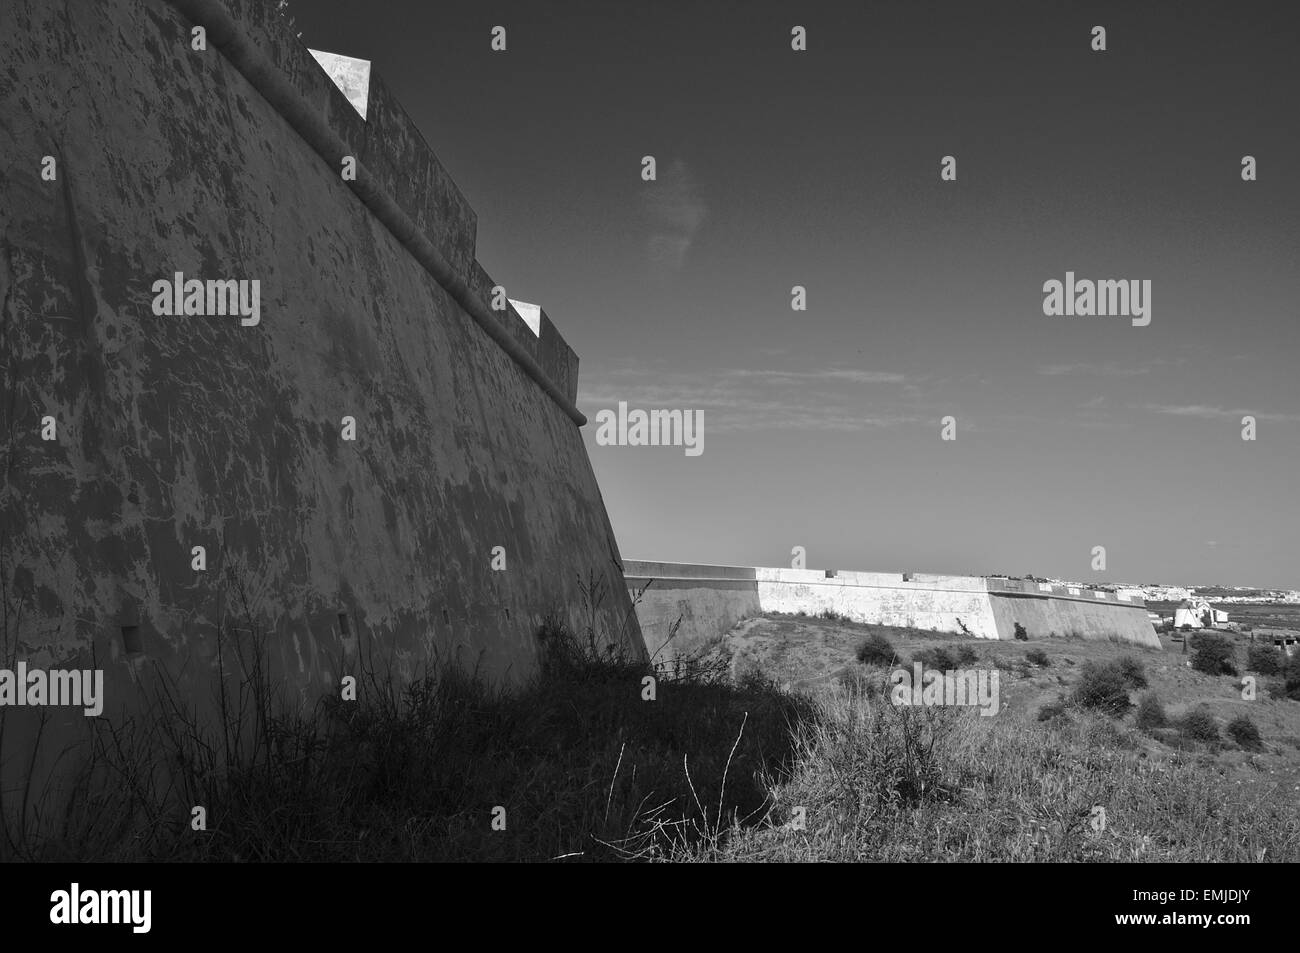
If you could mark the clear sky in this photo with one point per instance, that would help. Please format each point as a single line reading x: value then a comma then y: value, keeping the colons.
x: 925, y: 297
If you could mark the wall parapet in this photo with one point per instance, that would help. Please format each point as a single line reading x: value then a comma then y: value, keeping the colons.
x: 1047, y: 590
x: 1000, y: 585
x: 398, y: 176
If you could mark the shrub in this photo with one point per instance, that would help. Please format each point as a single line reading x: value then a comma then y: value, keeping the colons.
x: 1199, y: 725
x: 1292, y: 679
x: 1134, y: 675
x: 1265, y: 659
x: 854, y: 682
x: 877, y: 650
x: 936, y: 658
x: 751, y: 676
x: 1053, y: 711
x: 1213, y: 654
x: 1021, y: 634
x: 966, y: 655
x: 1244, y: 731
x: 1150, y: 713
x: 1038, y: 657
x: 1104, y: 733
x: 1102, y: 687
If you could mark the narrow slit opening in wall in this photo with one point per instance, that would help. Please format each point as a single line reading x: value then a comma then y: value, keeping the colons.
x: 344, y: 626
x: 132, y: 641
x: 507, y: 613
x: 446, y: 617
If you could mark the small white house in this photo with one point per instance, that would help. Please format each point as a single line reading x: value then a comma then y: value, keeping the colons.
x: 1199, y: 614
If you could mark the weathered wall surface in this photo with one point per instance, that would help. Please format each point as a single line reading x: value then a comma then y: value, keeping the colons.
x: 1062, y: 616
x: 710, y: 600
x: 935, y: 603
x: 1053, y: 610
x: 183, y: 431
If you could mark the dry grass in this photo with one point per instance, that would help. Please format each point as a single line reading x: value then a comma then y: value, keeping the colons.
x: 1003, y: 791
x: 779, y: 745
x: 1083, y: 786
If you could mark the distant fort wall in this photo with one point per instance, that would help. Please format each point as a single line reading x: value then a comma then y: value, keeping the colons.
x: 710, y: 600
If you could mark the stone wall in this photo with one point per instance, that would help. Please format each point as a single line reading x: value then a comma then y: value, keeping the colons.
x: 710, y: 600
x: 175, y: 432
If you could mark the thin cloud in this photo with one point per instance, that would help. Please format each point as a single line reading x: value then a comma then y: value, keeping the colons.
x: 675, y: 210
x: 1107, y: 369
x: 846, y: 375
x: 758, y: 399
x: 757, y: 376
x: 1207, y: 412
x: 1131, y: 368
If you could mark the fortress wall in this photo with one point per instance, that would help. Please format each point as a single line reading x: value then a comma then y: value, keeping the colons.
x: 1044, y: 617
x: 710, y: 600
x: 1091, y: 596
x: 941, y: 604
x: 481, y: 285
x: 686, y: 571
x: 1045, y: 609
x: 181, y: 431
x: 868, y: 578
x: 558, y: 360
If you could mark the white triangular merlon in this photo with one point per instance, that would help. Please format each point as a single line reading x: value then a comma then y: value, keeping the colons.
x: 350, y: 75
x: 531, y: 313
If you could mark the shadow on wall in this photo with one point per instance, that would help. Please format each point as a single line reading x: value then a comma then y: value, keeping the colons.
x: 378, y: 771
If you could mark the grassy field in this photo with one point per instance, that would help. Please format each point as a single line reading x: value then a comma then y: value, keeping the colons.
x: 1012, y: 787
x: 779, y: 745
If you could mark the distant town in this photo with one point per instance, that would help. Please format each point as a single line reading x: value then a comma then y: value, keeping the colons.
x: 1153, y: 592
x: 1210, y: 593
